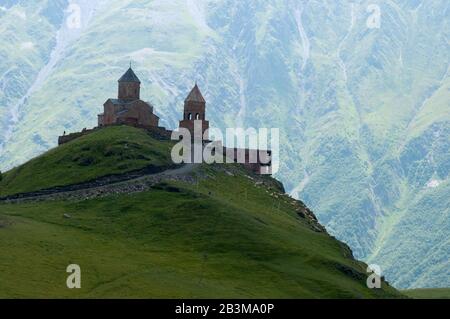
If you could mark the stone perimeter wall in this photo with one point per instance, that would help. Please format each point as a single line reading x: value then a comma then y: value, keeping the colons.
x: 159, y: 133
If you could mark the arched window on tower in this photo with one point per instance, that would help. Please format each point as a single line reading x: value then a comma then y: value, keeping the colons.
x: 197, y: 116
x: 189, y: 116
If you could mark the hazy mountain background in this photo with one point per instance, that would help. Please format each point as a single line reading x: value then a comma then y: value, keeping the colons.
x: 363, y: 112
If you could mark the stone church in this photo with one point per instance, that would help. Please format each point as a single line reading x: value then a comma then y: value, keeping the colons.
x: 128, y: 108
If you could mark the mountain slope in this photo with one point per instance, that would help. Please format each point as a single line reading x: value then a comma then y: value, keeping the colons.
x: 226, y: 233
x: 363, y: 112
x: 442, y: 293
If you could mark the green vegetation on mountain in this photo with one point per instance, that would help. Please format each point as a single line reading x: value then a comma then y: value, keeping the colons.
x: 228, y: 233
x: 439, y: 293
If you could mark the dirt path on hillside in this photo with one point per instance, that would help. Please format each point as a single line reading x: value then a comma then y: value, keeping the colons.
x: 132, y: 182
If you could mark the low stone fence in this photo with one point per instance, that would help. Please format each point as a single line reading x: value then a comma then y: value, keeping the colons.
x: 70, y: 137
x: 157, y: 132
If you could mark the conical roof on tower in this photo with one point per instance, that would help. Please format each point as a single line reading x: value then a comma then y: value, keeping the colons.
x: 195, y: 95
x: 129, y: 76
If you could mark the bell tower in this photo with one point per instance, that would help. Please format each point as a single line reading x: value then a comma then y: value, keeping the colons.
x: 195, y: 111
x: 129, y: 86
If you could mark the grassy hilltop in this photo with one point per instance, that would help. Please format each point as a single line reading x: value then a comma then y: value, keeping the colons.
x: 110, y: 151
x: 225, y: 234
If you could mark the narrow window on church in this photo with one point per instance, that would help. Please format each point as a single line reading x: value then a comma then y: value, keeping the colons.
x: 197, y: 116
x: 189, y: 116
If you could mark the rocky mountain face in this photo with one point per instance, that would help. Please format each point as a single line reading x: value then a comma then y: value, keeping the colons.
x: 359, y: 90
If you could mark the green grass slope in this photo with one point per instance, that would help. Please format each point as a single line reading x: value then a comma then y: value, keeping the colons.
x: 441, y: 293
x: 111, y: 150
x: 224, y: 235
